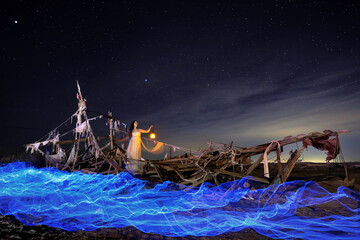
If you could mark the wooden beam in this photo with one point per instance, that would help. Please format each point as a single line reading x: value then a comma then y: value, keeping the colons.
x: 157, y: 171
x: 194, y: 178
x: 79, y: 140
x: 216, y: 180
x: 278, y: 159
x: 111, y: 126
x: 254, y: 165
x: 292, y: 163
x: 287, y: 141
x: 195, y: 184
x: 234, y: 174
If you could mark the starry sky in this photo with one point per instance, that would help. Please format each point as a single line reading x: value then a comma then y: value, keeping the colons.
x: 242, y: 71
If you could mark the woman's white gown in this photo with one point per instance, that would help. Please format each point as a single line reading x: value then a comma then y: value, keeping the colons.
x: 134, y: 148
x: 134, y: 152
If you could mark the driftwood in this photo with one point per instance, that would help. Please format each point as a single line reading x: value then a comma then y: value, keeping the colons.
x: 217, y: 164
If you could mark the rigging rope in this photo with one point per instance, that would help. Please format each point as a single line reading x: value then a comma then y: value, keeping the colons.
x: 156, y: 148
x: 52, y: 131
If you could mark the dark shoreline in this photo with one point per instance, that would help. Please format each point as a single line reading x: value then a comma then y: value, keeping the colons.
x: 11, y: 228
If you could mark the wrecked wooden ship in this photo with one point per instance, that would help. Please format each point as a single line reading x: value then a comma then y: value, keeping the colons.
x: 217, y: 164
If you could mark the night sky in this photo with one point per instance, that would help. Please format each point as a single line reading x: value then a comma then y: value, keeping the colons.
x: 247, y: 71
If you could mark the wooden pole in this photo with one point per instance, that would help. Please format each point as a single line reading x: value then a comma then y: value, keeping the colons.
x: 261, y: 148
x: 111, y: 136
x: 79, y: 140
x: 278, y: 159
x: 292, y: 163
x: 254, y: 165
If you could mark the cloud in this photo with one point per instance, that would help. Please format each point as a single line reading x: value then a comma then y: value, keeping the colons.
x: 252, y: 114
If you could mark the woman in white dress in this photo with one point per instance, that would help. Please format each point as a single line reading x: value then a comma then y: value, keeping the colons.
x: 134, y: 149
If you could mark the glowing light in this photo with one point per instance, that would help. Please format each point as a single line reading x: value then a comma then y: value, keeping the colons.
x: 15, y: 22
x: 152, y: 136
x: 74, y: 201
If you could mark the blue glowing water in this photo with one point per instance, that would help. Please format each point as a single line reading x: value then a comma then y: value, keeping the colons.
x: 74, y: 201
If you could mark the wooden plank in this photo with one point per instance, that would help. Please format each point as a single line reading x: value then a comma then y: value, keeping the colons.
x: 195, y: 178
x: 278, y: 159
x: 99, y: 167
x: 292, y: 163
x: 157, y: 171
x: 197, y: 172
x: 188, y: 169
x: 170, y: 161
x: 286, y: 141
x: 167, y: 168
x: 179, y: 174
x: 234, y: 174
x: 111, y: 126
x: 216, y: 180
x: 175, y: 162
x: 254, y: 165
x: 97, y: 163
x: 195, y: 184
x: 79, y: 140
x: 84, y: 170
x: 114, y: 164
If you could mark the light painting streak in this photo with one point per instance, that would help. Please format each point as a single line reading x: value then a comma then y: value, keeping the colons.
x: 77, y: 201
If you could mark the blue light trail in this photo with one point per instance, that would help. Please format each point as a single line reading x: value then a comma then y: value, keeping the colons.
x: 77, y: 201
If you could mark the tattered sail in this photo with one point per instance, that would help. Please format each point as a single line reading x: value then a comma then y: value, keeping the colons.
x: 82, y: 130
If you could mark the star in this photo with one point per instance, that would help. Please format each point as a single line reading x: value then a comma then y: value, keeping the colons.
x: 15, y: 21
